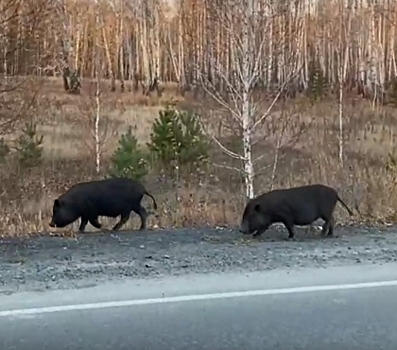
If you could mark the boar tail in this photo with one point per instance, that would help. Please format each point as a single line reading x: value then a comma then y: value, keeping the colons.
x: 344, y: 204
x: 154, y: 201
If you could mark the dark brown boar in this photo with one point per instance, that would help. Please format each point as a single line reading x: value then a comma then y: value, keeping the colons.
x: 292, y: 206
x: 110, y: 197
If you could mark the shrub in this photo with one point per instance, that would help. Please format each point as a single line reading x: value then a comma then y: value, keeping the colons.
x: 177, y: 139
x: 129, y: 160
x: 29, y: 147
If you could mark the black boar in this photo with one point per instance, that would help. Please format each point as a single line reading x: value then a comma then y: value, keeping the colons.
x: 110, y: 197
x: 293, y: 206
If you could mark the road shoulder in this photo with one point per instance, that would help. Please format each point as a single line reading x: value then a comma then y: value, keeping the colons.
x: 51, y: 263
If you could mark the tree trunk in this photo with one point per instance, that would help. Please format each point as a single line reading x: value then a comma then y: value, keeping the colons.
x: 120, y: 50
x: 246, y: 112
x: 109, y: 59
x: 97, y: 93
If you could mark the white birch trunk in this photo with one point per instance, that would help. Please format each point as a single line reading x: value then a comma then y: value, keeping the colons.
x: 121, y: 46
x: 341, y: 62
x: 96, y: 127
x: 181, y: 50
x: 246, y: 112
x: 144, y: 45
x: 340, y: 114
x: 5, y: 42
x: 156, y: 39
x: 97, y: 92
x: 270, y: 57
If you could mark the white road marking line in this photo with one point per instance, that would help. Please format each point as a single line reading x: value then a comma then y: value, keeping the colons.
x: 186, y: 298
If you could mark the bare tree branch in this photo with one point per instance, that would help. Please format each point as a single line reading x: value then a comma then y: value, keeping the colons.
x: 228, y: 167
x: 221, y: 146
x: 220, y: 100
x: 276, y: 98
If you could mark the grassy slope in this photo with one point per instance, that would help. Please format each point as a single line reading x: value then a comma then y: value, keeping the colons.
x: 307, y: 136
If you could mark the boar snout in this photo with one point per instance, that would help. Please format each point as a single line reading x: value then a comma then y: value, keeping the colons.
x: 244, y: 228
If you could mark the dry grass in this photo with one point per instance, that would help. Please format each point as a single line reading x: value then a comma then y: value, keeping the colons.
x: 214, y: 198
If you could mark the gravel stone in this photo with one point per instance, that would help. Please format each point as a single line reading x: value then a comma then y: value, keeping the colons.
x: 43, y: 262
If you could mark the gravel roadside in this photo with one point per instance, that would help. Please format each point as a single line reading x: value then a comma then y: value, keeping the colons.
x: 42, y: 263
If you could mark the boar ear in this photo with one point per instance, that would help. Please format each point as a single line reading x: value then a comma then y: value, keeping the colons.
x: 257, y: 208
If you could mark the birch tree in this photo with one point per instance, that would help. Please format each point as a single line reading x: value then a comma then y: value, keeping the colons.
x: 120, y: 43
x: 97, y: 90
x: 97, y: 102
x: 342, y: 56
x: 67, y: 49
x: 245, y: 22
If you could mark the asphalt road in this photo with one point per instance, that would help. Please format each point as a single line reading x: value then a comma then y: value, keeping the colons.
x: 346, y: 307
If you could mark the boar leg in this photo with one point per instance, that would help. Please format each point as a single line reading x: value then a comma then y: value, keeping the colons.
x: 141, y: 211
x: 123, y: 219
x: 83, y: 223
x: 328, y: 227
x: 290, y: 227
x: 331, y: 226
x: 94, y: 222
x: 325, y: 229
